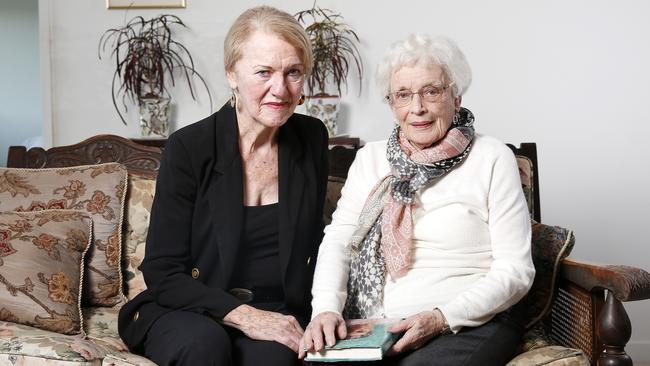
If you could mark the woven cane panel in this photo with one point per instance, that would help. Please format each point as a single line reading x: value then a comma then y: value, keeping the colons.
x: 571, y: 319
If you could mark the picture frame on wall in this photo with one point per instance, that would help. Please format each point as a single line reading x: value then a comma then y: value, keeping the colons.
x: 144, y: 4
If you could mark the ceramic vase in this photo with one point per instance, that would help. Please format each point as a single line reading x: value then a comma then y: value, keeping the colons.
x: 326, y: 108
x: 154, y: 117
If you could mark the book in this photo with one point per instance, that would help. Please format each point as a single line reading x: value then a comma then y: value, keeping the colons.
x: 367, y: 340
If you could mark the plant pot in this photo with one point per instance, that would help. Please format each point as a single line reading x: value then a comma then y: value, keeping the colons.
x: 154, y: 117
x: 326, y: 108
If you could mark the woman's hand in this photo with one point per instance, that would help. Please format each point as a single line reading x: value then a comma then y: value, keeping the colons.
x: 265, y: 325
x: 328, y: 324
x: 418, y: 330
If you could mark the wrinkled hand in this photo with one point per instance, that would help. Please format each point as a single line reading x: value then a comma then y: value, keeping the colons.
x: 418, y: 330
x: 328, y: 324
x: 265, y: 325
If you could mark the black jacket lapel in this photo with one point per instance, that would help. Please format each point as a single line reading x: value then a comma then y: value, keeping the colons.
x: 291, y: 181
x: 225, y: 192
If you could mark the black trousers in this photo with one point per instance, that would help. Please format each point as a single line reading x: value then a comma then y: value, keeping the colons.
x: 187, y: 338
x: 492, y: 344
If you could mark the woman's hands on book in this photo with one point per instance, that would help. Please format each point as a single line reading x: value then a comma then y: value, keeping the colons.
x: 266, y: 325
x: 328, y: 324
x: 418, y: 329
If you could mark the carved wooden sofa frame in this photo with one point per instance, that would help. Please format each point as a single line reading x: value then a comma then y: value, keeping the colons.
x: 587, y: 313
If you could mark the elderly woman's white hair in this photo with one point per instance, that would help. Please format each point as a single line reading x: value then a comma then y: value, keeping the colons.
x: 422, y: 49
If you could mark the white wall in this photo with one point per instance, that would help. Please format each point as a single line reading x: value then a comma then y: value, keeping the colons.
x: 570, y: 75
x: 20, y: 88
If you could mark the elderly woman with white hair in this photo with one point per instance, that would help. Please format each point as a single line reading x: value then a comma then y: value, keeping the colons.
x: 432, y: 226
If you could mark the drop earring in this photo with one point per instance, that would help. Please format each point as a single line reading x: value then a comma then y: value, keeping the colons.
x: 233, y: 98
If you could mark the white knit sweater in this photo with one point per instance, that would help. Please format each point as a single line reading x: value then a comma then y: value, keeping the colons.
x: 471, y: 237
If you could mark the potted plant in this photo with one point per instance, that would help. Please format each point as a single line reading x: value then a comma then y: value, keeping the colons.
x: 147, y: 60
x: 334, y: 45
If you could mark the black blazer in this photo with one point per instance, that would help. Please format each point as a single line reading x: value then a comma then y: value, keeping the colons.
x: 197, y: 213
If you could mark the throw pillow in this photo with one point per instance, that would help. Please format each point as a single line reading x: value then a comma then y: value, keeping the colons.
x: 41, y: 265
x: 526, y: 175
x: 550, y: 244
x: 138, y: 209
x: 98, y: 190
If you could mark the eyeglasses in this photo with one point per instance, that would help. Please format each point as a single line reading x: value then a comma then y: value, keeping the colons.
x: 429, y: 93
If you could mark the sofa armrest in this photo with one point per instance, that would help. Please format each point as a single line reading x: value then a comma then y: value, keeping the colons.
x: 625, y: 282
x: 609, y: 325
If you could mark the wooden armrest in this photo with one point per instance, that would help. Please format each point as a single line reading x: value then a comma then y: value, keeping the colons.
x: 626, y: 283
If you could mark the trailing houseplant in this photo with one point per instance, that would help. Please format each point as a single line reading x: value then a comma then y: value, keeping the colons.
x: 334, y: 45
x: 147, y: 61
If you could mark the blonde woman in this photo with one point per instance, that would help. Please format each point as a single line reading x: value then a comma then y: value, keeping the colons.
x: 237, y: 214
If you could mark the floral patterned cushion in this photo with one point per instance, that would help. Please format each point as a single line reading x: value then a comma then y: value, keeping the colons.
x: 22, y: 340
x: 526, y: 176
x: 535, y: 337
x: 96, y: 189
x: 551, y: 356
x: 41, y: 264
x: 24, y: 345
x: 550, y: 244
x: 125, y: 359
x: 100, y: 323
x: 101, y: 328
x: 23, y: 360
x: 138, y: 209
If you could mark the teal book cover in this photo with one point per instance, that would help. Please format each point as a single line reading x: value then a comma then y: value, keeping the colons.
x: 367, y: 340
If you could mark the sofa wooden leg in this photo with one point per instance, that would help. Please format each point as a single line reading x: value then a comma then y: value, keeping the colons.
x: 615, y: 331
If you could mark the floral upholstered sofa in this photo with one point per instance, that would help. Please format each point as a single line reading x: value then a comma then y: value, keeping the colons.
x: 73, y: 223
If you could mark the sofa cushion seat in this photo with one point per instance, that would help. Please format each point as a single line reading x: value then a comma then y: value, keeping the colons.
x: 22, y: 360
x: 101, y: 326
x: 22, y: 340
x: 24, y: 345
x: 551, y: 356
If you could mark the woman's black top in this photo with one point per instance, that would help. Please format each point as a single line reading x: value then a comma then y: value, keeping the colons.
x: 258, y: 260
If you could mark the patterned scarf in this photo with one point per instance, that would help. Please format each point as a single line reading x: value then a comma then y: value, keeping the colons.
x: 383, y: 240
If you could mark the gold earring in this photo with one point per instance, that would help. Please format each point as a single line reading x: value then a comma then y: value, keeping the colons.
x: 233, y: 98
x: 301, y: 101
